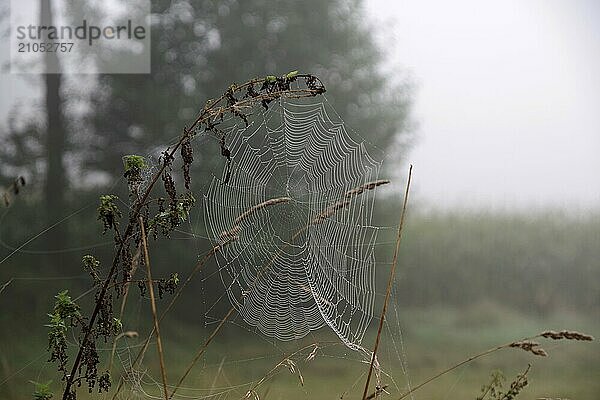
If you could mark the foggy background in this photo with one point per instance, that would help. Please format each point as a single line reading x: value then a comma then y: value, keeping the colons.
x: 506, y: 95
x: 507, y: 100
x: 496, y: 106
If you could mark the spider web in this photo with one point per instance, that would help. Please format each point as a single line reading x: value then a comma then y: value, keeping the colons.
x: 293, y: 266
x: 292, y: 212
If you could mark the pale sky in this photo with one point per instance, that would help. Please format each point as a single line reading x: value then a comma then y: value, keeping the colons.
x: 507, y: 99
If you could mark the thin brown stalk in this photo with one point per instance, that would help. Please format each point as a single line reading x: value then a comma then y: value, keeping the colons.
x: 232, y: 233
x: 159, y: 347
x: 345, y: 202
x: 196, y: 269
x: 201, y: 351
x: 525, y: 344
x: 389, y: 284
x: 286, y: 361
x: 216, y: 378
x: 126, y: 286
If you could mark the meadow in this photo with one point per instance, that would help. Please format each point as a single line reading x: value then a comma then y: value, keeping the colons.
x: 466, y: 282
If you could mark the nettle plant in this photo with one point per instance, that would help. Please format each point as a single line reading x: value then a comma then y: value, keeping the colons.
x: 148, y: 215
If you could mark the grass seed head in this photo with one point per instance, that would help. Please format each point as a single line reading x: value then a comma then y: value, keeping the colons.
x: 566, y: 334
x: 530, y: 346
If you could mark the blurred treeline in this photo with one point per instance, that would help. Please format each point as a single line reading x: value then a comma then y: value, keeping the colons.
x: 538, y: 262
x: 199, y: 48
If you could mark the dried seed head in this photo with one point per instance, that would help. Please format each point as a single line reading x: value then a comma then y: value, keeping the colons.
x: 230, y: 235
x: 291, y: 366
x: 264, y: 204
x: 367, y: 186
x: 565, y: 334
x: 530, y: 346
x: 338, y: 205
x: 233, y: 233
x: 293, y: 369
x: 251, y: 394
x: 329, y: 211
x: 312, y: 354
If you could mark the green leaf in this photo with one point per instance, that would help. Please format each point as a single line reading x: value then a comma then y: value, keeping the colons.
x: 291, y: 74
x: 134, y: 161
x: 42, y: 390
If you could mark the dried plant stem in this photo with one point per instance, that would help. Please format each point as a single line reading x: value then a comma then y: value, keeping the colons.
x: 134, y: 266
x: 126, y: 286
x: 121, y: 240
x: 144, y: 348
x: 460, y: 364
x: 389, y: 284
x: 525, y: 344
x: 159, y: 347
x: 283, y: 361
x: 201, y: 351
x: 196, y: 269
x: 214, y: 382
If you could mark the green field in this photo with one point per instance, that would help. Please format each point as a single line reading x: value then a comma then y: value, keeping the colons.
x: 433, y: 339
x: 466, y: 282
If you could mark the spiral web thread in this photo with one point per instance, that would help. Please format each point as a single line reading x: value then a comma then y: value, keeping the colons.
x: 308, y: 259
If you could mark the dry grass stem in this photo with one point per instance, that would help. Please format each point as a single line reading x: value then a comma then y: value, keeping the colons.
x: 526, y: 344
x: 312, y: 354
x: 134, y: 266
x: 338, y: 205
x: 392, y: 272
x: 285, y: 362
x: 199, y: 265
x: 264, y: 204
x: 329, y: 211
x: 233, y: 233
x: 201, y: 351
x: 159, y: 347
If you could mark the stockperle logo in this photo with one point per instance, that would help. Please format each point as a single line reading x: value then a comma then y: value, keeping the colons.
x: 61, y: 36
